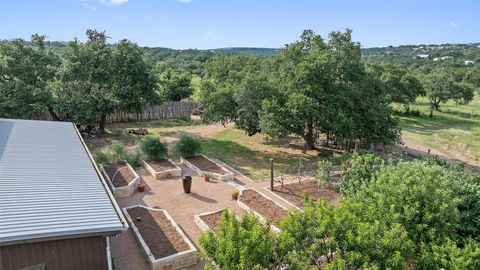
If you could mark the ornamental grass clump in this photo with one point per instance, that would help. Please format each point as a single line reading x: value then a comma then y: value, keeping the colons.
x: 117, y: 154
x: 188, y: 146
x: 323, y: 172
x: 153, y: 149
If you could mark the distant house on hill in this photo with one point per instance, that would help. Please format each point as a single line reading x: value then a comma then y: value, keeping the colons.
x: 422, y: 56
x: 469, y: 62
x: 56, y: 211
x: 442, y: 58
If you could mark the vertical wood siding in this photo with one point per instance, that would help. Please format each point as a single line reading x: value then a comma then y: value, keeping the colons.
x: 73, y: 254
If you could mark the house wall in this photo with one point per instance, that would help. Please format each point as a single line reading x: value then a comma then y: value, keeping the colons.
x: 76, y: 253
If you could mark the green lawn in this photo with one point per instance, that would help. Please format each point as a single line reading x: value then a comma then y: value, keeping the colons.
x: 251, y: 155
x: 454, y: 131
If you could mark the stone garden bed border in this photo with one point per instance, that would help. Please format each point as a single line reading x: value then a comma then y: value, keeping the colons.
x: 258, y: 215
x: 158, y: 175
x: 267, y: 188
x: 204, y: 226
x: 177, y: 260
x: 125, y: 191
x: 229, y: 176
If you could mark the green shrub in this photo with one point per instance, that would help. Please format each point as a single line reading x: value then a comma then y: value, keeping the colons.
x: 358, y: 170
x: 346, y: 236
x: 417, y: 195
x: 449, y: 256
x: 153, y: 149
x: 188, y: 146
x: 324, y: 167
x: 246, y: 244
x: 102, y: 158
x: 134, y: 158
x: 117, y: 152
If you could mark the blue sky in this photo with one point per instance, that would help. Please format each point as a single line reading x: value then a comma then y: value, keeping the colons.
x: 206, y: 24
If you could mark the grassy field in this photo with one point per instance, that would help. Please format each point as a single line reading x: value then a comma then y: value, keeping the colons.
x: 249, y: 155
x: 455, y: 131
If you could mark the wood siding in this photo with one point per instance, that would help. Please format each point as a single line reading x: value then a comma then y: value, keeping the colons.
x: 73, y: 254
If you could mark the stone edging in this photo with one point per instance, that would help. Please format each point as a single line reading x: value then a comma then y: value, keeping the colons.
x: 202, y: 225
x: 163, y: 174
x: 224, y: 177
x: 177, y: 260
x: 267, y: 188
x: 258, y: 215
x: 125, y: 191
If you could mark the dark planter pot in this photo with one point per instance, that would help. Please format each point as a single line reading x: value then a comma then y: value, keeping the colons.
x: 187, y: 183
x: 141, y: 187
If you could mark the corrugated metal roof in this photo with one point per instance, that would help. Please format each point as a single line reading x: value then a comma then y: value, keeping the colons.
x: 48, y: 184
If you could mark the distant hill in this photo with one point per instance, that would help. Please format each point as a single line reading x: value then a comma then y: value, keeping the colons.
x: 410, y: 55
x: 248, y: 50
x: 443, y: 54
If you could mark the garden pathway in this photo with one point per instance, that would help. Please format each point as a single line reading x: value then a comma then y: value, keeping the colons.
x: 168, y: 194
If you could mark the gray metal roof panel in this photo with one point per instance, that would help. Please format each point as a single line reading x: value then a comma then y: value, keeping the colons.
x: 48, y: 184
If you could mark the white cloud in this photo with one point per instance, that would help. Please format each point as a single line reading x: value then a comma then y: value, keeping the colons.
x: 453, y: 24
x: 185, y: 1
x: 115, y: 2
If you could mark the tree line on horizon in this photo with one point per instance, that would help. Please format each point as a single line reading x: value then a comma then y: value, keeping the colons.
x: 312, y: 86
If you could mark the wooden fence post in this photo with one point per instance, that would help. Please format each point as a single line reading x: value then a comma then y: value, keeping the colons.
x: 271, y: 174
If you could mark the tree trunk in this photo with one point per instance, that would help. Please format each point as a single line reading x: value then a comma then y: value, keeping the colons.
x: 53, y: 114
x: 309, y: 140
x: 431, y: 113
x: 101, y: 128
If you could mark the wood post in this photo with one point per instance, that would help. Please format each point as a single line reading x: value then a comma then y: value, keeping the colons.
x: 271, y: 174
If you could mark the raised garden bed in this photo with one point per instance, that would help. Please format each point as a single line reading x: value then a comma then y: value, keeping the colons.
x: 296, y: 192
x: 122, y: 179
x: 263, y: 207
x: 162, y: 168
x: 205, y: 166
x: 210, y: 220
x: 164, y: 243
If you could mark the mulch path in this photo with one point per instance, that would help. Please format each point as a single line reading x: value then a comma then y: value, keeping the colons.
x: 296, y: 192
x: 158, y: 232
x: 213, y: 220
x: 161, y: 165
x: 206, y: 165
x: 263, y: 206
x: 122, y: 177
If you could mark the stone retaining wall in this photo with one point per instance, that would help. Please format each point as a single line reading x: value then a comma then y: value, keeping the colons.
x: 258, y: 215
x: 179, y: 260
x: 163, y: 174
x: 125, y: 191
x: 224, y: 177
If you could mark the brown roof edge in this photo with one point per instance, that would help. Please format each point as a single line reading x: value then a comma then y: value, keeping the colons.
x: 104, y: 184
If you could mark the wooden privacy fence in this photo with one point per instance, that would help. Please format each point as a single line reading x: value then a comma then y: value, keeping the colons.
x: 170, y: 109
